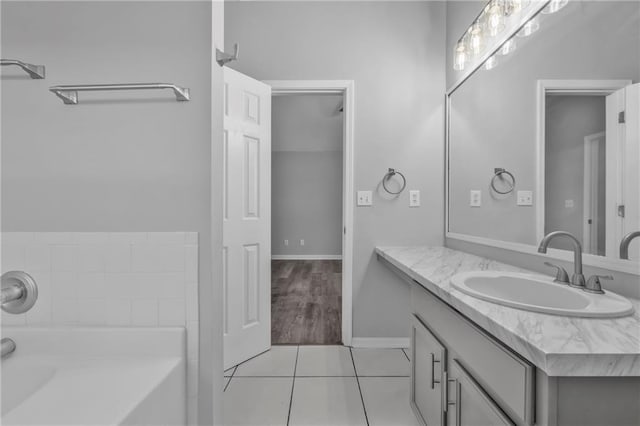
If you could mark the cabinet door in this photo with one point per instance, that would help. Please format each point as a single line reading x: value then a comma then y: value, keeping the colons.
x: 469, y: 404
x: 428, y: 358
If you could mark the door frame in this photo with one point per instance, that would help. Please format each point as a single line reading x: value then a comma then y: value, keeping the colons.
x: 346, y: 89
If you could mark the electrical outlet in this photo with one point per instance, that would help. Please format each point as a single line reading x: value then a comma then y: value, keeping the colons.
x: 286, y: 242
x: 524, y: 198
x: 301, y: 242
x: 568, y: 204
x: 414, y: 198
x: 475, y: 198
x: 365, y: 198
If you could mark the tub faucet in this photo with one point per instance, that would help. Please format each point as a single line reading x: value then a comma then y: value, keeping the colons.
x: 19, y: 292
x: 624, y: 244
x: 577, y: 279
x: 8, y: 346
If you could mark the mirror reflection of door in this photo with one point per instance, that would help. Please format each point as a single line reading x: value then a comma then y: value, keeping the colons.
x: 591, y: 168
x: 623, y: 161
x: 594, y: 212
x: 575, y: 169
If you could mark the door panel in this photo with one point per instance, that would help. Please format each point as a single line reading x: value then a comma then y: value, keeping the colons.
x: 469, y: 404
x: 247, y: 220
x: 428, y: 358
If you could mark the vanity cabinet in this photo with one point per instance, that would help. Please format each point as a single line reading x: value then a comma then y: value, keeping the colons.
x: 461, y: 375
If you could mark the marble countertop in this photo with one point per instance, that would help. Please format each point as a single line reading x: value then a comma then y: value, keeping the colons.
x: 559, y: 346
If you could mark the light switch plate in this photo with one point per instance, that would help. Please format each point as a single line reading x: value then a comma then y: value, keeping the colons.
x: 414, y: 198
x: 365, y: 198
x: 475, y: 198
x: 525, y: 198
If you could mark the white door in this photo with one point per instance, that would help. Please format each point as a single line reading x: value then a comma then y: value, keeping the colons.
x: 593, y: 193
x: 247, y: 218
x: 623, y: 157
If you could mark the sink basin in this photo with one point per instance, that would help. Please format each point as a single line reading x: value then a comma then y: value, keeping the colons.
x: 540, y: 294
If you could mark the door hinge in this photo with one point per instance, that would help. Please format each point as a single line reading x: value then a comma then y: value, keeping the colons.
x: 621, y: 210
x: 621, y: 117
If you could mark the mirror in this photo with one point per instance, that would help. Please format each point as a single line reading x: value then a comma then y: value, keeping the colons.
x: 537, y: 138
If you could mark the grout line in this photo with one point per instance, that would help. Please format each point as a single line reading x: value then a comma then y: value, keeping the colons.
x: 230, y: 378
x: 293, y: 384
x: 366, y: 418
x: 405, y: 354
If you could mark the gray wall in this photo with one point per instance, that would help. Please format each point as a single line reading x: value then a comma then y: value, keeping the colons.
x: 493, y: 114
x: 306, y: 175
x: 394, y: 51
x: 115, y: 162
x: 568, y: 120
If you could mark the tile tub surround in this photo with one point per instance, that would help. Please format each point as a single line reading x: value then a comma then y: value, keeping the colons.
x: 125, y: 279
x: 559, y: 346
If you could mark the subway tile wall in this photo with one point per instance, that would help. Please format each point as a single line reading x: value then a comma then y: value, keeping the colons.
x: 147, y: 279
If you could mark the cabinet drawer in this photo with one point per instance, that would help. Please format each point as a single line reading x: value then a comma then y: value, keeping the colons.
x: 503, y: 374
x: 469, y: 404
x: 428, y: 358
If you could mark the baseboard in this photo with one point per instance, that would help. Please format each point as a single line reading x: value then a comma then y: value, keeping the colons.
x: 380, y: 342
x: 306, y: 257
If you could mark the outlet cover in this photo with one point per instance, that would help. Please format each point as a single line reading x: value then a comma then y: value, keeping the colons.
x: 365, y: 198
x: 525, y: 198
x: 301, y: 242
x: 475, y: 198
x: 414, y: 198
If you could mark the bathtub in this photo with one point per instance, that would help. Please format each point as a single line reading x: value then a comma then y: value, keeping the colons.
x: 94, y: 376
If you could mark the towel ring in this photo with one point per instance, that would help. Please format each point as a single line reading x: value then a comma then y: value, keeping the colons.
x: 498, y: 172
x: 389, y: 175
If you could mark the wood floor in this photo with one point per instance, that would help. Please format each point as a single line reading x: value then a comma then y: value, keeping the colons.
x: 306, y: 302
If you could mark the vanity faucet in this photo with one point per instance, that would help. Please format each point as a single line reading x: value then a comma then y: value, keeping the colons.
x: 624, y: 244
x: 577, y: 279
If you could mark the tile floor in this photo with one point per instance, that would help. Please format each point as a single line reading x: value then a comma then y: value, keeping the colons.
x: 320, y: 385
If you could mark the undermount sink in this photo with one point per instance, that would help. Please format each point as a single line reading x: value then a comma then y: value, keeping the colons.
x: 540, y: 294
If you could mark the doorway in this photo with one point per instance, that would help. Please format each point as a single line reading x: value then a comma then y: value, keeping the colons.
x: 311, y: 212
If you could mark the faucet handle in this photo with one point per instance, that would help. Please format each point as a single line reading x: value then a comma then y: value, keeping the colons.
x: 561, y: 273
x: 593, y: 283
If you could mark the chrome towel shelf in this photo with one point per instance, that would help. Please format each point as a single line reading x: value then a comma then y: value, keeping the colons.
x: 34, y: 71
x: 69, y: 93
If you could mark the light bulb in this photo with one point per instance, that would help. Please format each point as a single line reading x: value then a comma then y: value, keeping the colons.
x: 475, y: 41
x: 491, y: 63
x: 495, y: 17
x: 554, y: 6
x: 459, y: 56
x: 516, y: 6
x: 508, y: 47
x: 530, y: 27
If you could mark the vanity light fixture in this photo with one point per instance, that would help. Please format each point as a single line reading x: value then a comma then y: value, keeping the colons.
x: 488, y: 24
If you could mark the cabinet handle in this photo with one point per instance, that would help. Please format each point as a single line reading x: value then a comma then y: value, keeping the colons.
x: 456, y: 386
x: 433, y: 375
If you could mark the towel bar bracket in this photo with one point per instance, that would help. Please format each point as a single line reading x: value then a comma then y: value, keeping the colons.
x: 34, y: 71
